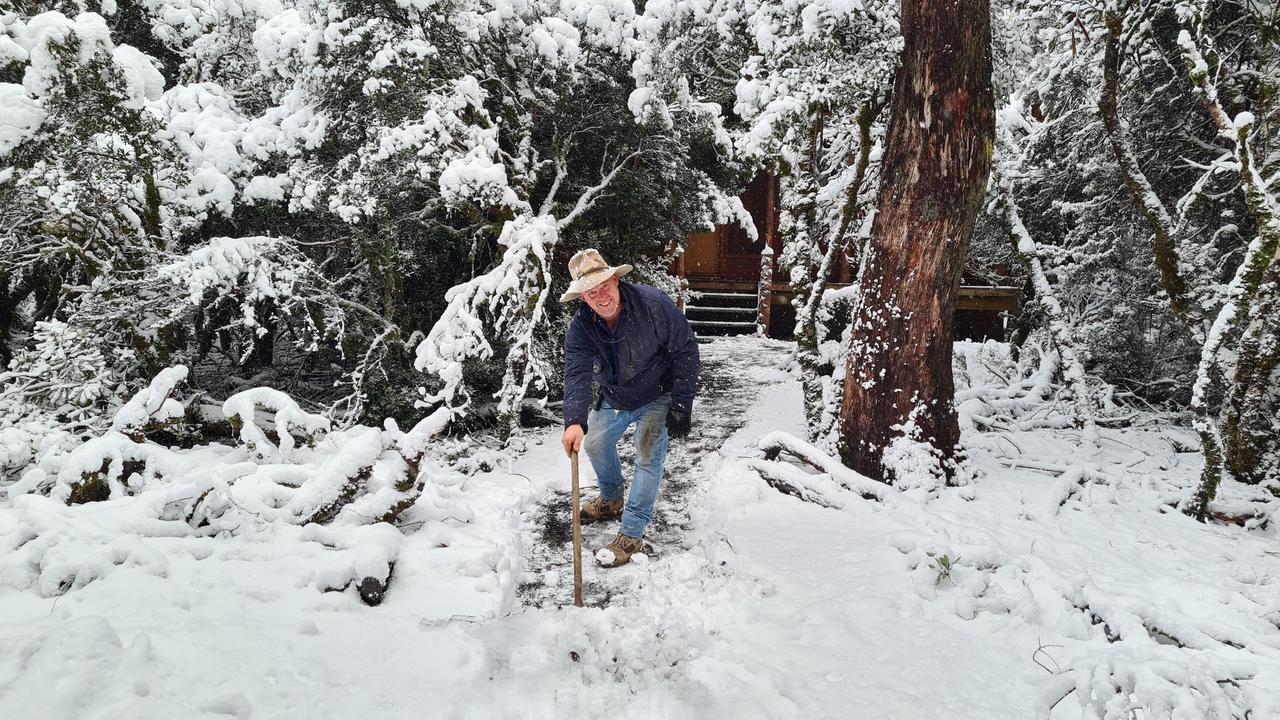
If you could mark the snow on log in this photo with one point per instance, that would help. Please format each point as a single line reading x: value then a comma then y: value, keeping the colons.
x: 110, y: 466
x: 787, y: 479
x: 241, y: 410
x: 351, y: 481
x: 1129, y: 617
x: 339, y: 478
x: 1251, y: 515
x: 1162, y: 680
x: 364, y: 556
x: 390, y: 488
x: 49, y: 551
x: 152, y: 406
x: 1071, y: 480
x: 775, y: 443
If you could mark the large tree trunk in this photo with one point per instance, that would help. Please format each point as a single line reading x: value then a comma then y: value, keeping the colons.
x: 938, y: 154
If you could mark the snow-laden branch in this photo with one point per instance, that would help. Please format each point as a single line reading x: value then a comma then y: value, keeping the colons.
x: 1163, y: 681
x: 562, y: 171
x: 521, y: 276
x: 589, y: 196
x: 152, y: 406
x: 509, y: 301
x: 287, y: 416
x: 1026, y: 246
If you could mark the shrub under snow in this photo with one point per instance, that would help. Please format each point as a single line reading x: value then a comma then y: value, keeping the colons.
x: 343, y: 488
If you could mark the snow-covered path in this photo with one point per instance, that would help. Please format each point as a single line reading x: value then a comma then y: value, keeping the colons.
x: 734, y: 374
x: 756, y: 605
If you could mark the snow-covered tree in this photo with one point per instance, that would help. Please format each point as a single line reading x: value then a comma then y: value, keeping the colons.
x: 1140, y: 177
x: 1252, y: 287
x: 86, y: 164
x: 812, y: 96
x: 363, y: 158
x: 898, y: 393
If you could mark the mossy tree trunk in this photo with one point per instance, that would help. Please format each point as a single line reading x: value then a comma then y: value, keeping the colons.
x: 1252, y: 446
x: 1246, y: 293
x: 1164, y: 246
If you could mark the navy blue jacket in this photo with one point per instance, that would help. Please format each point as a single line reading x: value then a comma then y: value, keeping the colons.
x: 657, y: 353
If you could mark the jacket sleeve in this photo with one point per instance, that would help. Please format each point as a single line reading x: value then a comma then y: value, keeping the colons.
x: 682, y: 344
x: 579, y: 361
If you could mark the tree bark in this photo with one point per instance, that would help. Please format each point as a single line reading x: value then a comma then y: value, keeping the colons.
x: 1252, y: 452
x: 1243, y: 290
x: 934, y: 175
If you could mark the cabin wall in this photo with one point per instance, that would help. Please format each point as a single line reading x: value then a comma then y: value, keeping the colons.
x: 727, y: 260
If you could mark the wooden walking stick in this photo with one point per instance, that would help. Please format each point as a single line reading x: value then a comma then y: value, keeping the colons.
x: 577, y: 537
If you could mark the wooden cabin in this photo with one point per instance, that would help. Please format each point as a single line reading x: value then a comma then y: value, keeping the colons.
x: 726, y: 268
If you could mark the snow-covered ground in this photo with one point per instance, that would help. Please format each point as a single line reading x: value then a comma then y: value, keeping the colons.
x: 1061, y: 572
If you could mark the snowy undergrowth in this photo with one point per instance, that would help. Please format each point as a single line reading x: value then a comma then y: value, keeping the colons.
x: 1071, y: 550
x: 118, y: 500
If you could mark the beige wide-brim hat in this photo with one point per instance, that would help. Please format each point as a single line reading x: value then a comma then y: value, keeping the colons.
x: 588, y: 269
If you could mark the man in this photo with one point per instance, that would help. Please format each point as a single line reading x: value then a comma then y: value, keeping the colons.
x: 640, y: 349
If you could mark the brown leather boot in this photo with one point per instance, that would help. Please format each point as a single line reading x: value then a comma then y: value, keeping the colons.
x: 600, y: 509
x: 619, y: 551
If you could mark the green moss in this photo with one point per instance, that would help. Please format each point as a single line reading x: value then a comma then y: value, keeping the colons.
x: 400, y: 506
x: 1210, y: 478
x: 349, y: 491
x: 92, y: 487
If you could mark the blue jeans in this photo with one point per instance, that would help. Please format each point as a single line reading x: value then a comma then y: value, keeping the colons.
x: 605, y: 429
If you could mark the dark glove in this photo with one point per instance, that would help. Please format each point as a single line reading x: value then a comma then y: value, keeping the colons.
x: 678, y: 423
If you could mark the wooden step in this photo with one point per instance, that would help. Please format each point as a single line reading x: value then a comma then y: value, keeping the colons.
x: 737, y: 300
x: 720, y: 313
x: 734, y: 295
x: 710, y: 327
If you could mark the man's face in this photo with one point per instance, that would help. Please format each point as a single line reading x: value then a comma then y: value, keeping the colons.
x: 604, y: 299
